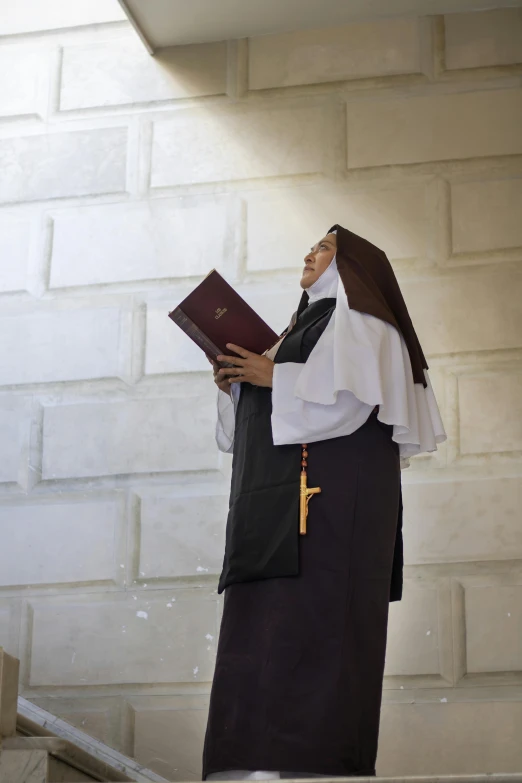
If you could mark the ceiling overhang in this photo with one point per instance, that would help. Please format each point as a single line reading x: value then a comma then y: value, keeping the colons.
x: 164, y: 23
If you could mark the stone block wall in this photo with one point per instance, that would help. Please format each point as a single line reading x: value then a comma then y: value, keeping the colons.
x: 123, y: 180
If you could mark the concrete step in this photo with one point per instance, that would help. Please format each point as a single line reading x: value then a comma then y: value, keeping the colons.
x: 23, y: 766
x: 38, y: 747
x: 64, y: 763
x: 76, y: 748
x: 9, y: 671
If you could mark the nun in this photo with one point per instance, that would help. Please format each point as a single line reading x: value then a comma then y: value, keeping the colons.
x: 319, y: 428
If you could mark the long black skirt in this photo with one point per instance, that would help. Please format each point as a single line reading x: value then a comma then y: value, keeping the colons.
x: 300, y: 660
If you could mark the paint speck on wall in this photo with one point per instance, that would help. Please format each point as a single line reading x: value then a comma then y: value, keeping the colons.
x: 196, y: 670
x: 169, y: 605
x: 428, y: 633
x: 142, y: 614
x: 444, y: 699
x: 209, y: 637
x: 200, y: 568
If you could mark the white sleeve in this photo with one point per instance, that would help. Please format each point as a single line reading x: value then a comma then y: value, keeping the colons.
x: 226, y: 419
x: 297, y: 421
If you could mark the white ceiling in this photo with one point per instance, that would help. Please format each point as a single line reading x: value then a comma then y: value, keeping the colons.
x: 162, y: 23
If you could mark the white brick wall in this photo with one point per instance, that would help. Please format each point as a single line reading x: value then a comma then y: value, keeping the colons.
x: 157, y: 721
x: 486, y: 215
x: 124, y: 179
x: 413, y: 641
x: 281, y: 141
x: 20, y: 93
x: 167, y: 350
x: 405, y: 231
x: 481, y: 40
x: 135, y: 76
x: 472, y: 520
x: 431, y: 728
x: 476, y: 310
x: 493, y: 642
x: 180, y: 535
x: 490, y: 397
x: 61, y: 165
x: 29, y: 16
x: 155, y: 639
x: 129, y: 436
x: 14, y: 252
x: 15, y: 424
x: 5, y: 622
x: 83, y: 536
x: 336, y: 53
x: 140, y: 240
x: 64, y: 345
x: 434, y: 127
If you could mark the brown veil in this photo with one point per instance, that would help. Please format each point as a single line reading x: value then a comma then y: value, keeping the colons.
x: 371, y: 287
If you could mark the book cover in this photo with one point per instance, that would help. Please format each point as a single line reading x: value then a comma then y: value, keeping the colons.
x: 214, y: 314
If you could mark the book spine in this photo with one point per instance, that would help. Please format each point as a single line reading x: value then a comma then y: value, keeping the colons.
x: 194, y: 332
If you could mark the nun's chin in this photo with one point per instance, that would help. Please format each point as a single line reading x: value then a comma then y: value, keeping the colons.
x: 307, y: 279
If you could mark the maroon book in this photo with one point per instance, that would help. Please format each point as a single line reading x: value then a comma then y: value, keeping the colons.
x: 214, y: 315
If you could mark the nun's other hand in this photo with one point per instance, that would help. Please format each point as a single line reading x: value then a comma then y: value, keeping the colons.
x: 221, y: 383
x: 249, y: 367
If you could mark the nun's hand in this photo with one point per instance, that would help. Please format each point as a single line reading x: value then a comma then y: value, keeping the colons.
x: 248, y: 367
x: 221, y: 383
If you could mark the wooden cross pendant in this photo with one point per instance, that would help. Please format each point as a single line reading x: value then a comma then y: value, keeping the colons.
x: 305, y: 493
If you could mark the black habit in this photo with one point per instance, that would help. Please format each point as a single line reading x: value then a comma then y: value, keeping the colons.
x: 300, y: 660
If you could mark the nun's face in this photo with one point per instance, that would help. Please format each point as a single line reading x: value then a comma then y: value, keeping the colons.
x: 318, y: 260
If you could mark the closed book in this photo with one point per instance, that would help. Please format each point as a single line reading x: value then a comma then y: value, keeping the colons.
x: 214, y: 314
